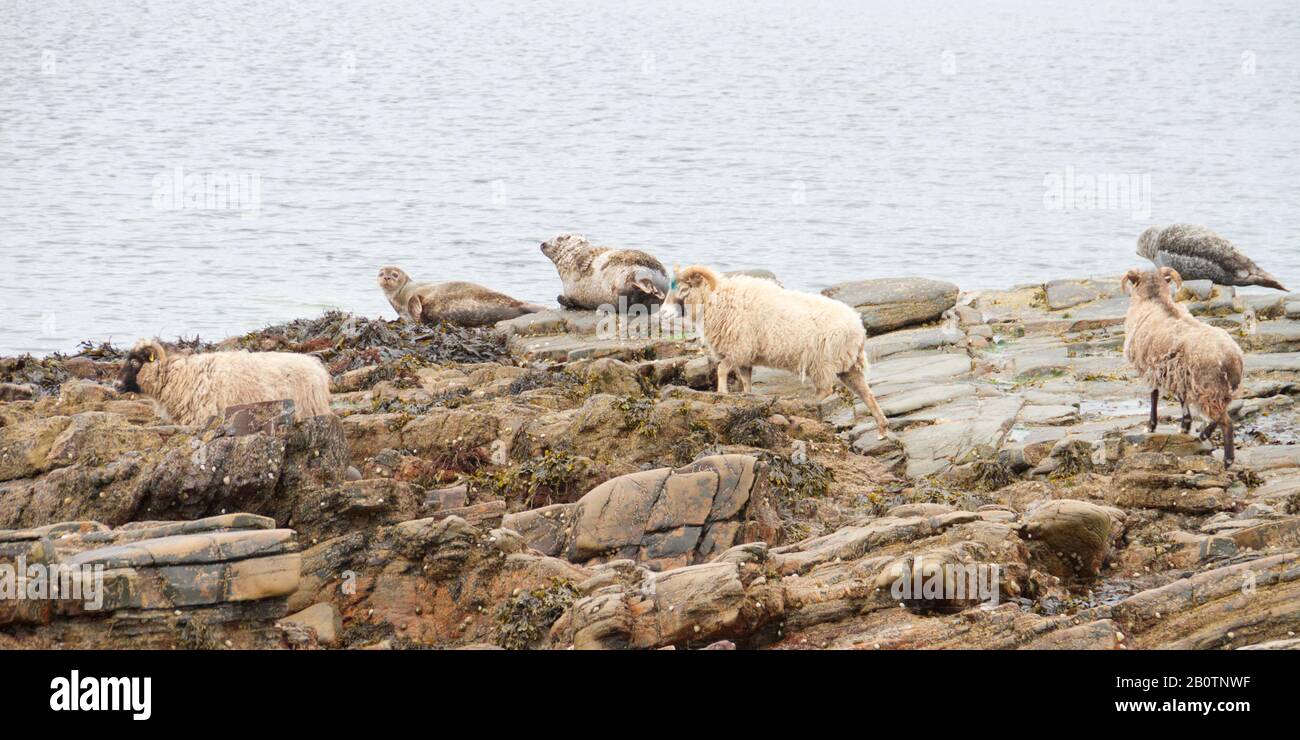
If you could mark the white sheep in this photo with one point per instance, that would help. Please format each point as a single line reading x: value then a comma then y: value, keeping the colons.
x: 1196, y: 363
x: 747, y: 321
x: 192, y: 388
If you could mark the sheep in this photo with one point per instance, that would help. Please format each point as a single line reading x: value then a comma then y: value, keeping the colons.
x: 747, y: 321
x: 192, y: 388
x: 1196, y: 363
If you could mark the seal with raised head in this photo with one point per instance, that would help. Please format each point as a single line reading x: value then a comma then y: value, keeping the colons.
x: 1197, y: 253
x: 460, y: 303
x: 596, y: 276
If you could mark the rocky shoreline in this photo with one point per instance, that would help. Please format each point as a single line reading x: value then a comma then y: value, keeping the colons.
x: 542, y: 485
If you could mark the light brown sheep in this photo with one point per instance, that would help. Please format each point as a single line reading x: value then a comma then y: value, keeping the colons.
x: 747, y: 321
x: 192, y: 388
x: 1198, y: 364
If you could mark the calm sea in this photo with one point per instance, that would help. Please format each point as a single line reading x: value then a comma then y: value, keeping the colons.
x: 172, y: 168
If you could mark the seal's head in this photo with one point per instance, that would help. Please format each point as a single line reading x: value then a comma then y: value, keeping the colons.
x: 392, y: 279
x: 1147, y: 243
x: 561, y: 246
x: 1151, y: 284
x: 141, y: 355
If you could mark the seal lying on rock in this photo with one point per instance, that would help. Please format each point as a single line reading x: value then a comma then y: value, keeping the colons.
x: 461, y: 303
x: 596, y: 276
x: 1198, y: 253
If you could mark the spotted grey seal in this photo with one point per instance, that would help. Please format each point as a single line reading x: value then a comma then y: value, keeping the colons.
x: 1198, y: 253
x: 461, y: 303
x: 596, y: 276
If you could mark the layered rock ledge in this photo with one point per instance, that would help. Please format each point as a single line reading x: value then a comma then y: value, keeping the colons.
x: 546, y: 485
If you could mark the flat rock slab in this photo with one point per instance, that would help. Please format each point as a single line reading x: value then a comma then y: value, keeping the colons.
x: 911, y: 340
x: 1063, y: 294
x: 911, y: 370
x: 1269, y: 457
x: 562, y: 348
x: 663, y: 518
x: 189, y: 548
x: 893, y: 303
x: 1274, y: 362
x: 935, y: 448
x: 554, y: 321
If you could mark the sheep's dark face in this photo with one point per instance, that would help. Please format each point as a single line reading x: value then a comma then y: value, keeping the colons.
x: 392, y: 279
x: 128, y: 381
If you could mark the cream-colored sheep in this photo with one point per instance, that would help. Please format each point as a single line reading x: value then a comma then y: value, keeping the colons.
x: 1198, y: 364
x: 192, y: 388
x: 747, y: 321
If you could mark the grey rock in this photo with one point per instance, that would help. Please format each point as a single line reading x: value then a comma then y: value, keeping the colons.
x: 1062, y: 294
x: 893, y: 303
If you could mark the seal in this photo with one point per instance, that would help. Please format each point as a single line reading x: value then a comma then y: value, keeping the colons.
x: 1198, y: 253
x: 596, y: 276
x: 460, y: 303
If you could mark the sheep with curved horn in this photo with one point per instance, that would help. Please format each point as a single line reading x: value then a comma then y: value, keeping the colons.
x: 1196, y: 363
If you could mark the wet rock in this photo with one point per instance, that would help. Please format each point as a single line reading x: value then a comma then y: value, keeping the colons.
x: 323, y: 619
x: 1205, y: 611
x: 607, y: 375
x: 698, y: 604
x: 1196, y: 290
x: 1157, y: 480
x: 16, y: 392
x: 911, y: 340
x: 1270, y: 457
x: 432, y: 581
x: 205, y: 583
x: 893, y: 303
x: 663, y: 518
x: 1062, y: 294
x: 1292, y: 644
x: 962, y: 432
x: 1069, y: 538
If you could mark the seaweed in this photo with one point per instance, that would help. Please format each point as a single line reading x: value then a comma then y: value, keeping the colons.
x: 528, y: 614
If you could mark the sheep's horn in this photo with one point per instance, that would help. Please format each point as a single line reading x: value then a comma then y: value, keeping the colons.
x: 1171, y: 275
x: 1132, y: 277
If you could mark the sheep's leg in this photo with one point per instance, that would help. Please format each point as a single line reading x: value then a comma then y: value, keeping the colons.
x: 1155, y: 403
x: 1229, y: 453
x: 724, y: 369
x: 1208, y: 431
x: 858, y: 384
x: 1187, y: 418
x: 746, y: 375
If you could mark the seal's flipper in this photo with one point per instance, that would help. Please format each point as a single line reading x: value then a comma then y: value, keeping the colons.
x: 415, y: 308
